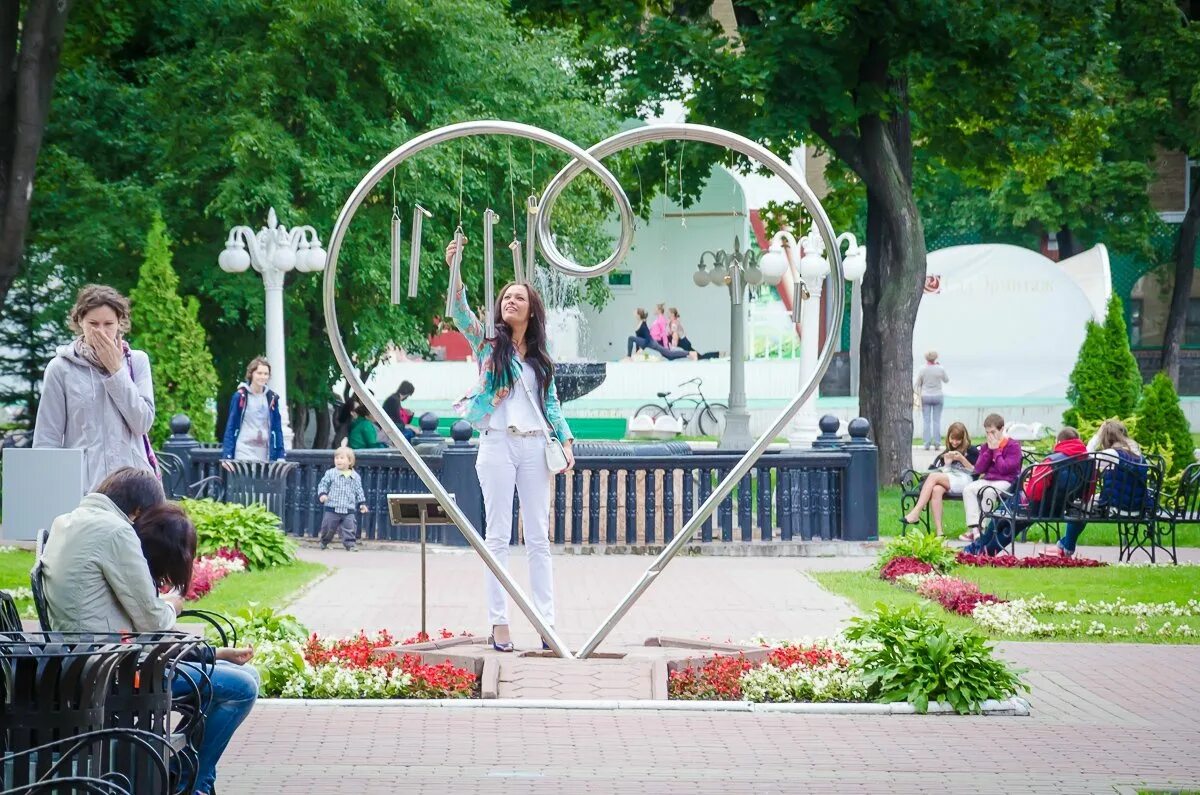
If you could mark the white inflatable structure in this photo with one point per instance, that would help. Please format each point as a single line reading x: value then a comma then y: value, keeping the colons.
x: 1007, y: 322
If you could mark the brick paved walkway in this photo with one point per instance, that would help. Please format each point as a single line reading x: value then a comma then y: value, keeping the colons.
x: 1138, y: 725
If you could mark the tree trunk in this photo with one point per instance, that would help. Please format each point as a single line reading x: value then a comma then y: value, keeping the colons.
x: 299, y: 424
x: 25, y: 87
x: 891, y: 292
x: 1067, y: 246
x: 324, y: 429
x: 1181, y: 293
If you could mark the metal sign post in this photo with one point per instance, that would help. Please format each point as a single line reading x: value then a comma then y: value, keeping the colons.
x: 425, y: 510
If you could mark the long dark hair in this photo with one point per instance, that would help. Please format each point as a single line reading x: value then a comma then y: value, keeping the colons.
x: 536, y: 352
x: 168, y: 543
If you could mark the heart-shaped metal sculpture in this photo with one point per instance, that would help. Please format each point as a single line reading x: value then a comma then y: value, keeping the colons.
x: 583, y: 161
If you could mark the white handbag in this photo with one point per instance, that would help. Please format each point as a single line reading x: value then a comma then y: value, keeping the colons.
x: 556, y: 456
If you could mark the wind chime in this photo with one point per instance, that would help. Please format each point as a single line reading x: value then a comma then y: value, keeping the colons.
x: 524, y: 266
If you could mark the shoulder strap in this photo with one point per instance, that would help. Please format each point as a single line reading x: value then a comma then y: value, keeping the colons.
x: 534, y: 403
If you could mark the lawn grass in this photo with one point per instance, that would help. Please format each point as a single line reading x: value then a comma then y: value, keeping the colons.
x: 1159, y: 584
x: 1099, y: 535
x: 267, y: 587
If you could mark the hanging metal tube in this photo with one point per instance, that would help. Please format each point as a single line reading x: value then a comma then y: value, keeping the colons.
x: 518, y: 265
x: 531, y: 214
x: 489, y: 276
x: 414, y: 256
x: 455, y: 270
x: 396, y: 241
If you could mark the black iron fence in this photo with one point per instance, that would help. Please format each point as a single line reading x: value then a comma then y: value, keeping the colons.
x: 617, y: 494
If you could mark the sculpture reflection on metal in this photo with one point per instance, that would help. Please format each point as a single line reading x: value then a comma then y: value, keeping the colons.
x: 540, y: 235
x: 349, y: 371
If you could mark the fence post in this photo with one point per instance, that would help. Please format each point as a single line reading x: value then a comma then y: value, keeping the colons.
x: 428, y: 441
x: 181, y: 442
x: 860, y: 489
x: 828, y: 438
x: 460, y: 479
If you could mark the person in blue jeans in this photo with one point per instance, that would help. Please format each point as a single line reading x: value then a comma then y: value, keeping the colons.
x: 1122, y: 471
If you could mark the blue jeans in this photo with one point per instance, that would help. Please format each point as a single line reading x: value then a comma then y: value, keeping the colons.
x: 234, y: 691
x: 931, y: 413
x: 1071, y: 536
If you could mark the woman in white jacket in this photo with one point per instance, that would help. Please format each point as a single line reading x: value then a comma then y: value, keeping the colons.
x: 97, y: 395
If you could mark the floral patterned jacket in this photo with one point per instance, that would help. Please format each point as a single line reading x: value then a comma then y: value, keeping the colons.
x: 477, y: 405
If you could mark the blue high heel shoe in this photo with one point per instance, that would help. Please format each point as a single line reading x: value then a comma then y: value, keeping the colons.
x: 504, y: 647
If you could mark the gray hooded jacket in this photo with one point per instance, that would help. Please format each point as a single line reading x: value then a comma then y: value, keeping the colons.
x: 104, y: 415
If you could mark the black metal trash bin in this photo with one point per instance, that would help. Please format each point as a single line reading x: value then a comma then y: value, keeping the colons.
x: 51, y: 691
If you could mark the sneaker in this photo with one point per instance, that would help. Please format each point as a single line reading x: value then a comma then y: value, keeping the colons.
x: 351, y: 549
x: 324, y: 545
x: 1056, y: 552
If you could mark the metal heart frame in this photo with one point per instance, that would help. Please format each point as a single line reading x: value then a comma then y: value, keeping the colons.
x: 340, y: 228
x: 590, y: 161
x: 763, y: 156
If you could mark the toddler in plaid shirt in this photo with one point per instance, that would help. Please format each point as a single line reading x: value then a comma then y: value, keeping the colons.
x: 341, y: 491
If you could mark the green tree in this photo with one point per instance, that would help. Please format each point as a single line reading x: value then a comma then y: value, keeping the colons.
x: 1106, y: 381
x: 214, y: 112
x: 31, y: 326
x: 1161, y: 423
x: 167, y: 328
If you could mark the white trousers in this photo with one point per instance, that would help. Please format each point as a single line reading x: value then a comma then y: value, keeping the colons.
x: 970, y: 498
x: 506, y: 462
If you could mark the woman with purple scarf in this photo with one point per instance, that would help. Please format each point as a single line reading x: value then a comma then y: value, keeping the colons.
x: 97, y: 395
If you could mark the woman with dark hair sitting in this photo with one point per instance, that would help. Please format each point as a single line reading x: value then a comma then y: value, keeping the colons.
x: 102, y: 575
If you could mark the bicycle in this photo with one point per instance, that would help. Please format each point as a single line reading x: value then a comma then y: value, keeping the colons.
x: 709, y: 417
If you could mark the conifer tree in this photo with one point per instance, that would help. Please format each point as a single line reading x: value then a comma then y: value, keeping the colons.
x: 1106, y: 381
x: 32, y: 325
x: 1161, y: 422
x: 167, y: 328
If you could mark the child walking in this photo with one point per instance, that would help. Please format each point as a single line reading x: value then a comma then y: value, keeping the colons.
x: 341, y: 491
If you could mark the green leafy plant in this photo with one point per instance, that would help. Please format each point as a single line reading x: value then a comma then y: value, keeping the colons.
x: 908, y: 655
x: 266, y: 623
x: 925, y: 547
x: 251, y: 529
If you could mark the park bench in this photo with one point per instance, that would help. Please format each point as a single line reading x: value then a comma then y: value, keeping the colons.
x: 911, y: 480
x: 174, y: 474
x: 1183, y: 508
x: 1089, y: 489
x: 250, y: 482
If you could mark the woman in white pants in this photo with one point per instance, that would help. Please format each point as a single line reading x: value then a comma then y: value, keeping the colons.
x: 513, y: 405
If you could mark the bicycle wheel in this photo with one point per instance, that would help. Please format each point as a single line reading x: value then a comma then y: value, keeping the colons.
x: 651, y: 410
x: 712, y: 420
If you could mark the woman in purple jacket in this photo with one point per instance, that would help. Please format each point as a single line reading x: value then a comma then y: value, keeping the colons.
x: 998, y: 466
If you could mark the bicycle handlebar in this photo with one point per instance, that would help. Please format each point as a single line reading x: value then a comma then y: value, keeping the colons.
x: 695, y: 381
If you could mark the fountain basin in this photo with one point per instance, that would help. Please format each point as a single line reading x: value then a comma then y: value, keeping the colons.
x: 576, y: 379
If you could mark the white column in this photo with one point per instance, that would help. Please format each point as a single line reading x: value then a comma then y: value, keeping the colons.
x: 273, y: 282
x: 804, y: 428
x: 855, y: 333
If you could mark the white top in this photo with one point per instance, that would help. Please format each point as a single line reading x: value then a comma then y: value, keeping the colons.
x: 516, y: 409
x: 252, y: 443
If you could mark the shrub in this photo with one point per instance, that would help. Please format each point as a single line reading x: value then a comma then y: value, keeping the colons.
x: 1106, y: 381
x: 923, y: 546
x: 250, y: 529
x: 910, y: 656
x: 1162, y: 425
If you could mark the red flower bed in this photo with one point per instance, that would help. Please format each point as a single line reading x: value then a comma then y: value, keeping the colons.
x: 1036, y: 562
x: 809, y: 657
x: 716, y: 680
x: 902, y: 565
x: 232, y: 554
x: 441, y: 680
x: 957, y: 596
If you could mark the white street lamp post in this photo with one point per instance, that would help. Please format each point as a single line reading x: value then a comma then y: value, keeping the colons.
x: 735, y: 271
x: 854, y: 267
x: 272, y: 252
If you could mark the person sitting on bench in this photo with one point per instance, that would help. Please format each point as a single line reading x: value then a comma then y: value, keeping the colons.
x: 949, y: 475
x: 999, y: 533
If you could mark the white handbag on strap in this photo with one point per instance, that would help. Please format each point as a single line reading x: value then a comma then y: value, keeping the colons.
x: 556, y: 456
